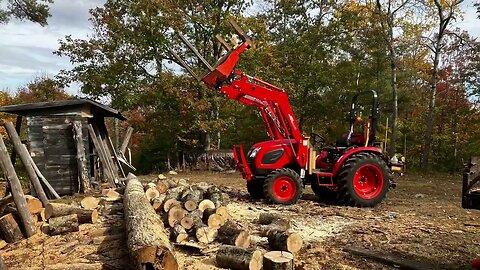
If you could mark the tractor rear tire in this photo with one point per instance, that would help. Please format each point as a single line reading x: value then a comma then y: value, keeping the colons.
x: 255, y: 188
x: 363, y: 180
x: 283, y: 186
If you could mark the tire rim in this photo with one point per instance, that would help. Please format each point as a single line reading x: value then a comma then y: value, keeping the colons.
x: 368, y: 181
x: 284, y: 188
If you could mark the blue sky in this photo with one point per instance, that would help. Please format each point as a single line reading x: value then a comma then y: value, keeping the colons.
x: 26, y: 48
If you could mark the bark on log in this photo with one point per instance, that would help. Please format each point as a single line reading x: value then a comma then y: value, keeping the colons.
x: 239, y: 258
x: 179, y: 234
x: 60, y: 209
x: 232, y: 234
x: 147, y: 239
x: 170, y: 203
x: 211, y: 219
x: 191, y: 198
x: 175, y: 193
x: 63, y: 224
x: 9, y: 229
x: 206, y: 204
x: 215, y: 195
x: 175, y: 215
x: 284, y: 241
x: 268, y: 218
x: 16, y: 189
x: 24, y: 157
x: 278, y: 260
x: 34, y: 204
x: 90, y: 202
x: 81, y: 159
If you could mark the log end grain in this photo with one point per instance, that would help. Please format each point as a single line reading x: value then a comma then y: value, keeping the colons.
x: 278, y: 260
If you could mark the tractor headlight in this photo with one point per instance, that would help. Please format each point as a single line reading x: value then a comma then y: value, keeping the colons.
x: 254, y: 152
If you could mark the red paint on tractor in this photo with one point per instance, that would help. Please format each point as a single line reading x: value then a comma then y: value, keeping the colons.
x: 349, y: 153
x: 284, y: 188
x: 368, y: 181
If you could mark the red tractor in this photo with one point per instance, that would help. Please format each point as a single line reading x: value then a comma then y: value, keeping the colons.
x: 355, y: 169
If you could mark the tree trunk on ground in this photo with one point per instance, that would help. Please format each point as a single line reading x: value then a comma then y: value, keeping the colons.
x: 232, y: 234
x: 239, y: 258
x: 284, y: 241
x: 60, y: 209
x: 9, y: 229
x: 63, y: 224
x: 278, y: 260
x: 147, y: 240
x: 16, y: 189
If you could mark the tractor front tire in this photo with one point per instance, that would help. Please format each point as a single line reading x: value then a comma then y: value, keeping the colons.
x: 283, y: 186
x: 363, y: 180
x: 255, y: 188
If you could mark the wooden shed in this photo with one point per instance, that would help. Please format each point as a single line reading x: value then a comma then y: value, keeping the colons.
x: 52, y: 138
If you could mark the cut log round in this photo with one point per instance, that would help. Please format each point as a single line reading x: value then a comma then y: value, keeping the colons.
x: 268, y: 218
x: 239, y: 258
x: 284, y: 241
x: 211, y: 219
x: 9, y: 229
x: 147, y: 240
x: 170, y: 203
x: 63, y: 224
x: 179, y: 234
x: 90, y: 202
x: 60, y: 209
x: 206, y: 204
x: 157, y: 203
x: 111, y: 194
x: 223, y: 212
x: 175, y: 215
x: 278, y: 260
x: 186, y: 222
x: 150, y: 185
x: 34, y: 204
x: 205, y: 234
x: 152, y: 193
x: 232, y: 234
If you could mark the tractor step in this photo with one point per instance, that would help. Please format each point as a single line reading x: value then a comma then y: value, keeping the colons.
x: 322, y: 172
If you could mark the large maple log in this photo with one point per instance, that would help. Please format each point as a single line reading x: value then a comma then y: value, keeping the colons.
x: 232, y: 234
x: 60, y: 209
x: 147, y: 240
x: 16, y: 189
x: 9, y: 229
x: 63, y: 224
x: 232, y: 257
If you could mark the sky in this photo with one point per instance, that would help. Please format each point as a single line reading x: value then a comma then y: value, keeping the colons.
x: 26, y: 48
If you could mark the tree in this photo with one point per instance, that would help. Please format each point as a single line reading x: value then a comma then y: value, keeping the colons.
x: 445, y: 12
x: 41, y: 89
x: 36, y: 11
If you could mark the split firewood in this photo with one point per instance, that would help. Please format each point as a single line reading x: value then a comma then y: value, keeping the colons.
x: 60, y: 209
x: 237, y: 258
x: 90, y: 202
x: 191, y: 198
x: 147, y: 240
x: 162, y: 187
x: 211, y: 219
x: 284, y: 241
x: 206, y: 204
x: 215, y: 195
x: 9, y: 229
x: 170, y: 203
x: 34, y: 204
x: 157, y: 203
x: 179, y: 234
x: 187, y: 222
x: 63, y: 224
x: 223, y: 212
x: 278, y: 260
x: 232, y: 234
x: 203, y: 233
x: 152, y: 193
x: 175, y: 215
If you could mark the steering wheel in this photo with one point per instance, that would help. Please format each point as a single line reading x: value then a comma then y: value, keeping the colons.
x: 317, y: 138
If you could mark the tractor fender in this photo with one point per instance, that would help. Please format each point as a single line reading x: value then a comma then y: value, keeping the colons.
x: 350, y: 152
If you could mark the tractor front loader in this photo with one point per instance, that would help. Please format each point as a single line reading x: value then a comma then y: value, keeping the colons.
x: 355, y: 170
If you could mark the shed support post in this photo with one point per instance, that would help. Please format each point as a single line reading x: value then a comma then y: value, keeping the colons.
x: 18, y: 128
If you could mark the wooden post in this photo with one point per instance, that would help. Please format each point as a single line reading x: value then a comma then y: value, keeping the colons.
x: 126, y: 140
x: 17, y: 191
x: 81, y: 159
x: 102, y: 134
x: 106, y: 169
x: 21, y: 151
x: 18, y: 127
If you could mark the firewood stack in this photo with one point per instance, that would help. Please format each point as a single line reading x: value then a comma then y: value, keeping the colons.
x: 198, y: 215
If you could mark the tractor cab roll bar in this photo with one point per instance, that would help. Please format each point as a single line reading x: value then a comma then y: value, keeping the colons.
x: 373, y: 118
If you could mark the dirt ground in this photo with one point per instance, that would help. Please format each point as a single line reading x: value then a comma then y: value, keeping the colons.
x: 421, y: 220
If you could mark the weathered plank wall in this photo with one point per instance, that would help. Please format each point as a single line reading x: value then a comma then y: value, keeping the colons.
x: 53, y: 149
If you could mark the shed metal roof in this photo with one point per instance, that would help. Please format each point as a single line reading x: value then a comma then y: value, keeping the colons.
x: 30, y: 108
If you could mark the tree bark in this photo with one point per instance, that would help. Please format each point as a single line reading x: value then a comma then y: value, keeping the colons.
x: 232, y: 234
x: 81, y: 159
x: 278, y: 260
x: 211, y: 219
x: 179, y: 234
x: 24, y: 157
x: 215, y: 195
x: 60, y: 209
x: 284, y: 241
x: 16, y: 189
x: 63, y: 224
x: 239, y: 258
x: 9, y: 229
x: 147, y: 240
